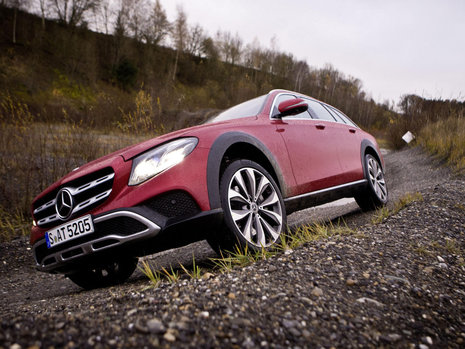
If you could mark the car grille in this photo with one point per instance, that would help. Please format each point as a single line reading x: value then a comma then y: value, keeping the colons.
x: 88, y: 192
x: 174, y: 204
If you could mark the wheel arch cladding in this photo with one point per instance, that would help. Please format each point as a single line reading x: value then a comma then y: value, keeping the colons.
x: 368, y: 147
x: 238, y: 145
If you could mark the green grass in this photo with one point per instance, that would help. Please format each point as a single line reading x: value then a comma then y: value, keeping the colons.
x: 172, y: 275
x: 195, y: 273
x: 154, y: 276
x: 242, y: 257
x: 384, y: 212
x: 433, y: 248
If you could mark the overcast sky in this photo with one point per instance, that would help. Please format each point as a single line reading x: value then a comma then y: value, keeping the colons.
x: 394, y: 47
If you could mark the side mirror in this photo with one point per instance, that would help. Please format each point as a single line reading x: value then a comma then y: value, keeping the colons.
x: 292, y: 107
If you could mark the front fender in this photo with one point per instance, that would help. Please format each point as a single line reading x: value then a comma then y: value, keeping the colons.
x: 217, y: 152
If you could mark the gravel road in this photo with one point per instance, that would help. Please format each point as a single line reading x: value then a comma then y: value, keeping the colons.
x: 400, y: 283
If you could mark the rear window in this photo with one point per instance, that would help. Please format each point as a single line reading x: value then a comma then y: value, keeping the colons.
x: 340, y: 115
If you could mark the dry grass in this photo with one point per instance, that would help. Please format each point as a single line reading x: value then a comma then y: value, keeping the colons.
x: 34, y: 155
x: 446, y: 139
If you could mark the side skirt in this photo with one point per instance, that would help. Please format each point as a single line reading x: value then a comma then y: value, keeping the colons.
x: 323, y: 196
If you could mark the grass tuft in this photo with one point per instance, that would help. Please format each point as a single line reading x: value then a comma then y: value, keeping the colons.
x: 154, y: 277
x: 172, y: 276
x: 196, y: 272
x: 384, y: 212
x: 313, y: 232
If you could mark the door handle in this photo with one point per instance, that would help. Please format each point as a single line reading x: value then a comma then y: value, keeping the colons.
x: 320, y: 126
x: 352, y: 130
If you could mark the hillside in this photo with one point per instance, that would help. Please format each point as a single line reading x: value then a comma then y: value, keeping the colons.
x: 93, y: 75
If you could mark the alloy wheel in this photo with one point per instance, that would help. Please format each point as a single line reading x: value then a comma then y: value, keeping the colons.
x: 255, y: 207
x: 377, y: 178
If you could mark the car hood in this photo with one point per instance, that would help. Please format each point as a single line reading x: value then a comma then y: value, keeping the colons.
x: 195, y: 131
x: 134, y: 150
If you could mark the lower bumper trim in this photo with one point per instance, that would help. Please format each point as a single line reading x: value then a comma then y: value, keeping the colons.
x: 55, y: 259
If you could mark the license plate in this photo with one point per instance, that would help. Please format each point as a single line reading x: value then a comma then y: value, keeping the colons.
x: 69, y: 231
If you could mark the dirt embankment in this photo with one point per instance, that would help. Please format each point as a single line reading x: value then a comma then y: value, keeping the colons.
x: 400, y: 283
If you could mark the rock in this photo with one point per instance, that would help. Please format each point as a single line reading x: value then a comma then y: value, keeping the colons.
x: 15, y: 346
x: 443, y: 265
x: 350, y: 282
x: 427, y: 340
x: 394, y: 337
x: 231, y: 295
x: 289, y: 323
x: 131, y: 312
x: 428, y: 270
x: 169, y: 336
x: 317, y: 292
x: 306, y: 300
x: 272, y: 268
x: 156, y: 326
x: 440, y: 259
x: 248, y: 343
x: 367, y: 300
x: 207, y: 276
x: 396, y: 279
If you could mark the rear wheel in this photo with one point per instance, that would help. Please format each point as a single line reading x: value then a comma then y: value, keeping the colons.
x: 254, y: 212
x: 376, y: 194
x: 104, y: 275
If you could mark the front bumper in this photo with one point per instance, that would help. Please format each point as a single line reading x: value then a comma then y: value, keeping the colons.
x: 135, y: 231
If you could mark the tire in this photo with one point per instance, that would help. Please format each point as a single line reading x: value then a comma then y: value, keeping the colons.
x: 105, y: 275
x: 253, y: 207
x: 375, y: 195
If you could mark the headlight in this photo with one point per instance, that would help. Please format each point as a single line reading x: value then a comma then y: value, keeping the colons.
x: 151, y: 163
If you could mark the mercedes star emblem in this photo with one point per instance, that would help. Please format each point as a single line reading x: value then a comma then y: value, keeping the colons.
x: 64, y: 203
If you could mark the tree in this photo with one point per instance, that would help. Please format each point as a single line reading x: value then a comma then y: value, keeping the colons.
x: 231, y: 47
x: 43, y: 9
x: 179, y: 34
x: 16, y: 5
x: 157, y: 26
x: 106, y: 13
x: 194, y: 40
x: 136, y: 11
x: 72, y: 12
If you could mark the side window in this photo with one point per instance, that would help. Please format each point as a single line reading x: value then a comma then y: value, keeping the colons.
x: 334, y: 114
x: 317, y: 111
x: 283, y: 98
x: 343, y: 117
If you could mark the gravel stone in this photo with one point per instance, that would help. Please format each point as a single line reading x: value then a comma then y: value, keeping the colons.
x: 155, y: 326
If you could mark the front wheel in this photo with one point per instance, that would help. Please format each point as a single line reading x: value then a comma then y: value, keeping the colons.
x: 254, y: 212
x: 108, y: 274
x: 376, y: 194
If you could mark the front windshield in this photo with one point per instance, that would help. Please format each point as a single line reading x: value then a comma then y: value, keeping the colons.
x: 248, y: 108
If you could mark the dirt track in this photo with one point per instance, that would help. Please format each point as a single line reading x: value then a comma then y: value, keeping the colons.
x: 397, y: 283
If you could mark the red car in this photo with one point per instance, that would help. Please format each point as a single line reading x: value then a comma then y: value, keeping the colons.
x: 230, y: 181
